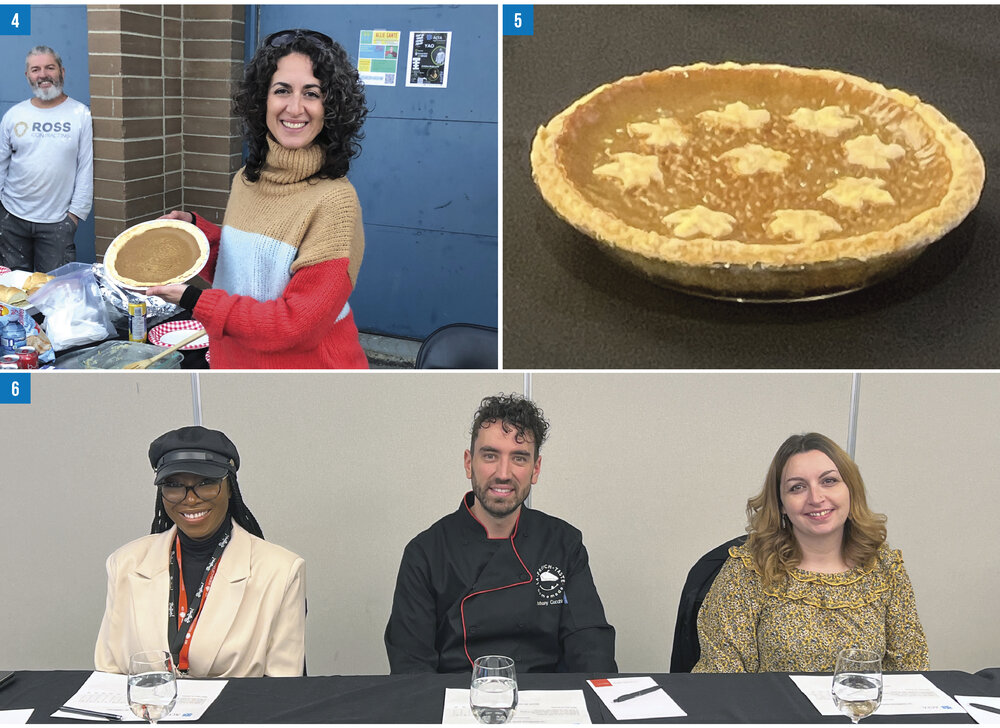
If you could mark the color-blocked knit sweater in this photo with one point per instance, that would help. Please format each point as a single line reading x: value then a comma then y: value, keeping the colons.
x: 282, y: 268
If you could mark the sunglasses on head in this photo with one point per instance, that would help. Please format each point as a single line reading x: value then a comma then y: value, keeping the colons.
x: 284, y: 37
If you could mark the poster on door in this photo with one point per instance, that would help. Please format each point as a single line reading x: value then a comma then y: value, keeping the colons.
x: 427, y: 62
x: 378, y: 56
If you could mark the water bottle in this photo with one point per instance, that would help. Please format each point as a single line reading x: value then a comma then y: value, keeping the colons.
x: 13, y: 337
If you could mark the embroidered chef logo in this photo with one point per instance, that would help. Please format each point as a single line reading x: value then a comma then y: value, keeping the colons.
x: 551, y: 585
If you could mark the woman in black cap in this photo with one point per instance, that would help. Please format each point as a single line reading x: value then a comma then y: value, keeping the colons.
x: 204, y: 584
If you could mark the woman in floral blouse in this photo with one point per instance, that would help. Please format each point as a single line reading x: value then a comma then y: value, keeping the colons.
x: 815, y: 575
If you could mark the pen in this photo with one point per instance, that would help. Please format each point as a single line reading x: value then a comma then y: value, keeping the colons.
x: 92, y: 713
x: 980, y: 706
x: 636, y: 694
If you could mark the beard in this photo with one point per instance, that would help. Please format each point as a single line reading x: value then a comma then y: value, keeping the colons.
x: 505, y: 508
x: 48, y: 94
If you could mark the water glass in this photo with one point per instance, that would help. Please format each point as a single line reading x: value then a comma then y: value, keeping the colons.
x: 152, y: 684
x: 857, y: 683
x: 493, y: 697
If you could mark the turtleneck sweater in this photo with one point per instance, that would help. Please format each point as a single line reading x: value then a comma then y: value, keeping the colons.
x: 282, y: 268
x: 195, y: 555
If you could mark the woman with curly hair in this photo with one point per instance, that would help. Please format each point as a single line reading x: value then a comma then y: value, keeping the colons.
x: 814, y: 576
x: 286, y: 259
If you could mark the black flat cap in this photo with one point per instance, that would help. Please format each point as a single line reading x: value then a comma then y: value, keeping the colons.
x: 193, y: 450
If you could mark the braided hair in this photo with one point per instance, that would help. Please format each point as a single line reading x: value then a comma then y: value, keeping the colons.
x: 237, y: 510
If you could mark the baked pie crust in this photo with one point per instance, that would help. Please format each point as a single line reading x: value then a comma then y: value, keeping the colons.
x: 757, y: 182
x: 157, y: 253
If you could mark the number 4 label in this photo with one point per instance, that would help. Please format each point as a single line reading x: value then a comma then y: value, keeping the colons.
x: 518, y: 19
x: 15, y: 20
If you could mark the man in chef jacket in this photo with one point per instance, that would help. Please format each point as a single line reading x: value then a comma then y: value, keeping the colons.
x: 496, y: 577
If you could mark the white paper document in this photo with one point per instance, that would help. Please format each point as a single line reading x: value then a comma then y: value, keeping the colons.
x: 105, y: 693
x: 15, y: 717
x: 656, y: 704
x: 901, y: 695
x: 533, y: 706
x: 969, y: 702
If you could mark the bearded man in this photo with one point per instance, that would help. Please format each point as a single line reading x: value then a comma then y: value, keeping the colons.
x: 497, y: 577
x: 46, y: 169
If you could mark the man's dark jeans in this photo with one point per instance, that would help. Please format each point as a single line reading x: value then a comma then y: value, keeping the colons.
x: 35, y: 246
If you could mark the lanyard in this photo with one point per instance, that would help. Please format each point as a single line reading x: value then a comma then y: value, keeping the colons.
x: 180, y: 613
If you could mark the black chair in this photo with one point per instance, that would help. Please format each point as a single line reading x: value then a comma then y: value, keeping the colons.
x: 459, y: 346
x: 686, y: 651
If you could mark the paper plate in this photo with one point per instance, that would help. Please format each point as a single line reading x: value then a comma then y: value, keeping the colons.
x: 169, y: 333
x: 156, y: 253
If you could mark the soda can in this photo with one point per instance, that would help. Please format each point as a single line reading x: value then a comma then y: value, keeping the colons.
x: 28, y: 357
x: 10, y: 361
x: 137, y: 321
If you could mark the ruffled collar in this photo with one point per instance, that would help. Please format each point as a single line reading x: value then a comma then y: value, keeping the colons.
x: 286, y: 166
x: 851, y: 588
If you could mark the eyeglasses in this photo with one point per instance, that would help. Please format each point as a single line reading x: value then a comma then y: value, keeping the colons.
x: 284, y: 37
x: 177, y: 492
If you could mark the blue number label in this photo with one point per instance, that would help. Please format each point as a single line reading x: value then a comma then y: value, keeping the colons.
x: 15, y: 20
x: 518, y: 19
x: 15, y: 388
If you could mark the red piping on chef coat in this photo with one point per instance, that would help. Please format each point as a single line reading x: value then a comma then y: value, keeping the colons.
x: 465, y: 636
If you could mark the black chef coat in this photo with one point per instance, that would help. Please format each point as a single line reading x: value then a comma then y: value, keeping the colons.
x: 531, y: 597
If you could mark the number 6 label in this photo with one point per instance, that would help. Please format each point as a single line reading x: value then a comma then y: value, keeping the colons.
x: 518, y: 19
x: 15, y: 388
x: 15, y: 20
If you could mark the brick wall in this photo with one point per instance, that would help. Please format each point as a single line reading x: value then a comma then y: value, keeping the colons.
x: 161, y: 83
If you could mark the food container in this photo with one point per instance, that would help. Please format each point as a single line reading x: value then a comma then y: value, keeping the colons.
x: 116, y: 354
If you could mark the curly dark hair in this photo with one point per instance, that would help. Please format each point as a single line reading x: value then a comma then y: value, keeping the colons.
x: 238, y: 511
x: 344, y: 108
x: 514, y: 412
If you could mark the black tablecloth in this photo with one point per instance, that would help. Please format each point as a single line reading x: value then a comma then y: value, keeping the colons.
x: 764, y: 698
x: 566, y: 305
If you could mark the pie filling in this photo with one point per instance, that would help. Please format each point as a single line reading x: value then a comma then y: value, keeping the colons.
x: 765, y: 158
x: 156, y: 253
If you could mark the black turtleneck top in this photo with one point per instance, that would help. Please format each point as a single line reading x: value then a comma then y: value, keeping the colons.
x: 195, y: 555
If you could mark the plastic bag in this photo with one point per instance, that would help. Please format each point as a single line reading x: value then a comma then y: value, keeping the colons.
x: 117, y: 298
x: 73, y: 307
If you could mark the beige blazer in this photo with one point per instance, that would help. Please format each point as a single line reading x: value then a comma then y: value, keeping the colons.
x: 252, y: 624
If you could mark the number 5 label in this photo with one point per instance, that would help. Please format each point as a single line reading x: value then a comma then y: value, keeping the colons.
x: 518, y: 19
x: 15, y: 388
x: 15, y: 20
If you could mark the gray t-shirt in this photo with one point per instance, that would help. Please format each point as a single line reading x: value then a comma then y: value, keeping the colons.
x: 47, y: 161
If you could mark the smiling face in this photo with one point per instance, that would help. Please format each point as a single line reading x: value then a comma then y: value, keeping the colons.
x: 502, y: 468
x: 294, y: 103
x: 198, y: 518
x: 45, y: 76
x: 814, y: 496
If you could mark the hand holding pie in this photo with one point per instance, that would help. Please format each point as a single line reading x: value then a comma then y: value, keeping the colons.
x: 155, y: 253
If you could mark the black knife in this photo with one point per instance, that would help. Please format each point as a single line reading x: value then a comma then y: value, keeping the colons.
x: 987, y: 708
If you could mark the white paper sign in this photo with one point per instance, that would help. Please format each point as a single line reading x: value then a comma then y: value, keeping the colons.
x: 980, y: 714
x: 15, y: 717
x: 104, y: 692
x: 656, y: 704
x: 901, y: 695
x: 533, y: 706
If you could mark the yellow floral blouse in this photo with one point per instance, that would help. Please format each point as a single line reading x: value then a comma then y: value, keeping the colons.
x: 801, y: 625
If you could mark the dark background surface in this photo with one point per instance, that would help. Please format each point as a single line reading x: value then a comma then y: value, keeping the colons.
x: 568, y: 305
x: 769, y: 697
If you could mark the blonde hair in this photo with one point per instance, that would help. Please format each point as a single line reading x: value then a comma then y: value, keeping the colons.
x: 772, y: 545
